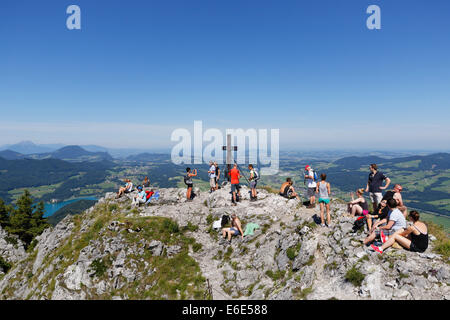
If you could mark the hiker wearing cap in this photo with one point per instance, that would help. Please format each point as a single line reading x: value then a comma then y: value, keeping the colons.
x: 235, y: 175
x: 375, y: 185
x: 312, y: 185
x: 254, y: 176
x: 140, y: 198
x: 235, y: 230
x: 212, y: 177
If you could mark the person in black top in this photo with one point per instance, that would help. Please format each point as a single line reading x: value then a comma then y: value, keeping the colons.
x: 217, y: 175
x: 414, y: 239
x: 287, y: 190
x: 375, y: 185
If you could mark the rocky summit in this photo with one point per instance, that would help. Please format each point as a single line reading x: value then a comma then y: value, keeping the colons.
x: 169, y: 250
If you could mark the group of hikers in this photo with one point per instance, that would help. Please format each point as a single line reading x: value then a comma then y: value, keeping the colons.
x: 145, y: 193
x: 386, y: 222
x: 232, y: 176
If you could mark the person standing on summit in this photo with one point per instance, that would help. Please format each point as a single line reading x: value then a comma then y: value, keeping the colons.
x: 234, y: 175
x: 212, y: 177
x: 312, y: 185
x: 375, y: 185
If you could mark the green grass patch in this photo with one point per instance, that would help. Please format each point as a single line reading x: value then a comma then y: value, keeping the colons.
x: 5, y: 265
x: 354, y: 276
x: 277, y: 275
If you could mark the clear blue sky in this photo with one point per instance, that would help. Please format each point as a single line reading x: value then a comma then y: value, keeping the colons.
x: 310, y: 68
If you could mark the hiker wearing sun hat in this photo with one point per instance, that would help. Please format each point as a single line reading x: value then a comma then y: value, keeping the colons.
x: 310, y: 177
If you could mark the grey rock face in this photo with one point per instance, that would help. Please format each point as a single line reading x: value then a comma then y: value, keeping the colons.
x: 12, y: 252
x: 306, y: 253
x: 257, y: 267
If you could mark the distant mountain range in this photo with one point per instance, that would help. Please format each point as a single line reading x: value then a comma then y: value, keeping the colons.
x: 69, y: 153
x: 30, y: 148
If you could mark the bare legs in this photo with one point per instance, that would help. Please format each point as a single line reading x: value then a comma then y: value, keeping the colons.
x: 322, y: 209
x: 396, y: 237
x: 188, y: 193
x: 227, y: 233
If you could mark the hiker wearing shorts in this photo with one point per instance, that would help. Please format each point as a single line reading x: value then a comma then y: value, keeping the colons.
x: 212, y: 177
x: 311, y: 193
x: 323, y: 188
x: 287, y: 190
x: 253, y: 181
x: 235, y: 230
x: 235, y: 176
x: 394, y: 223
x: 375, y: 185
x: 125, y: 189
x: 414, y: 238
x: 189, y: 183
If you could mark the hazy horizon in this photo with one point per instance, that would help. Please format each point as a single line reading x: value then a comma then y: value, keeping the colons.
x: 138, y: 70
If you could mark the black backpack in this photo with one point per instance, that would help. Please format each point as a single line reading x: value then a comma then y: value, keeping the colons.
x: 256, y: 176
x: 225, y: 220
x: 186, y: 178
x: 359, y: 223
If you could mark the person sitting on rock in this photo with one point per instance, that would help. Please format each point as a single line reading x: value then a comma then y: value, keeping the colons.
x: 378, y: 218
x: 235, y: 230
x: 125, y: 189
x: 359, y: 205
x: 287, y: 190
x: 146, y: 183
x: 140, y: 198
x: 395, y: 193
x: 395, y: 223
x: 414, y: 239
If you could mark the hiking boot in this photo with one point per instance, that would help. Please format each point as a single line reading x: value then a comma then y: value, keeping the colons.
x: 322, y: 225
x: 383, y: 237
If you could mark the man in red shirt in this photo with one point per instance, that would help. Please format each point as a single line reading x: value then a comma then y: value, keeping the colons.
x: 235, y: 175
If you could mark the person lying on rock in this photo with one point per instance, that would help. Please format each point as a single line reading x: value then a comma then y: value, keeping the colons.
x: 414, y: 239
x: 287, y: 190
x: 235, y: 229
x: 395, y: 223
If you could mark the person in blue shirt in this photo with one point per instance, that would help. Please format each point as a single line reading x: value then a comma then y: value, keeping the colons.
x: 140, y: 198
